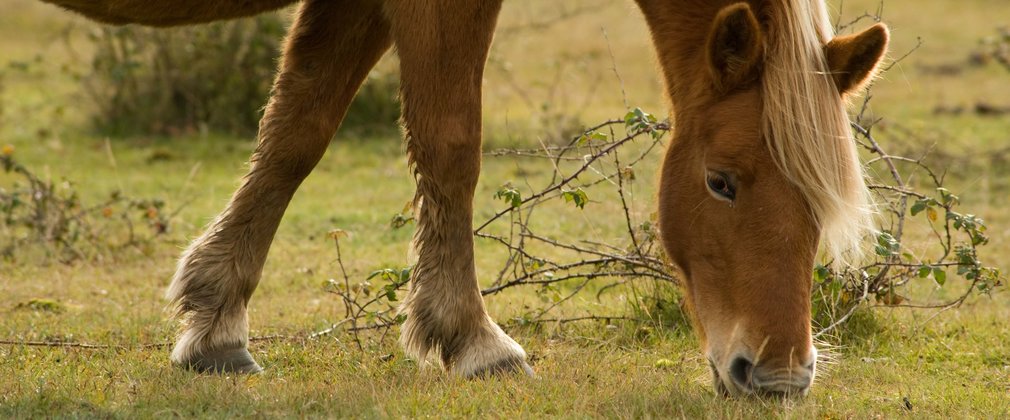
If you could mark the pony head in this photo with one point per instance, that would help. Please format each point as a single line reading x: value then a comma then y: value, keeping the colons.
x: 761, y: 170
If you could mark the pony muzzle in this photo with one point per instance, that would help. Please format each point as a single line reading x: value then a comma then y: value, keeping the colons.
x: 741, y: 376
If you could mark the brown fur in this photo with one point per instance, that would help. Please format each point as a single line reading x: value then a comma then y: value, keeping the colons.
x: 168, y: 12
x: 746, y: 264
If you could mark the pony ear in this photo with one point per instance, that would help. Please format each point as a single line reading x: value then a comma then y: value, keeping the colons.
x: 853, y: 59
x: 734, y: 47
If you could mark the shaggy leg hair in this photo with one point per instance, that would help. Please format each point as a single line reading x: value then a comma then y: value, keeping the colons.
x: 442, y: 66
x: 329, y: 51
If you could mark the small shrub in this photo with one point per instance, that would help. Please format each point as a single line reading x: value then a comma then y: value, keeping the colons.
x: 214, y: 77
x: 171, y: 81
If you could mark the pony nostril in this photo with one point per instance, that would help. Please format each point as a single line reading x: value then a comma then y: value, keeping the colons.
x: 740, y: 370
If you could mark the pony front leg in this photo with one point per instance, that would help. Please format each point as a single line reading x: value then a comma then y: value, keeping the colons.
x: 329, y: 51
x: 443, y: 46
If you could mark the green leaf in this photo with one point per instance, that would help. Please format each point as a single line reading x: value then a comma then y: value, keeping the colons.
x: 948, y: 198
x: 391, y: 292
x: 886, y: 245
x: 918, y: 207
x: 629, y: 118
x: 577, y: 196
x: 404, y: 276
x: 939, y: 275
x: 400, y: 220
x: 924, y: 271
x: 509, y: 194
x: 377, y: 273
x: 637, y: 119
x: 645, y: 116
x: 591, y: 136
x: 821, y: 273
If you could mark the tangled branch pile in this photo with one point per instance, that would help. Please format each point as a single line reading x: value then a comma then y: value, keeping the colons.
x: 47, y: 218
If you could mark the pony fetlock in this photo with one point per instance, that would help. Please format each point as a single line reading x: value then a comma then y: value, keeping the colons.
x: 209, y: 294
x: 491, y: 352
x: 470, y: 347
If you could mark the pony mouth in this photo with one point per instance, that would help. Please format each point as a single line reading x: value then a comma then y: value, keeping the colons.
x: 722, y: 388
x: 774, y: 389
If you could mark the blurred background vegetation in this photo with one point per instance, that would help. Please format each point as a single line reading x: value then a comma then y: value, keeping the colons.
x: 181, y: 81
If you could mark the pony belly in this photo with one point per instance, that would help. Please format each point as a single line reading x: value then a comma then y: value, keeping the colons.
x: 158, y: 13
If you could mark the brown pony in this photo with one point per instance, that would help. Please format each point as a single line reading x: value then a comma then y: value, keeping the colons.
x: 761, y: 168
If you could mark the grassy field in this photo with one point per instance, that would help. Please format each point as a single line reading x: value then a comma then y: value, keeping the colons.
x: 543, y: 78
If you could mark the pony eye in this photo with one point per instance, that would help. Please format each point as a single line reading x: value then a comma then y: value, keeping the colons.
x: 721, y: 186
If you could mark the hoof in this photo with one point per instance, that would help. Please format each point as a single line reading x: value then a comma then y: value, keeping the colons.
x: 233, y: 360
x: 503, y: 367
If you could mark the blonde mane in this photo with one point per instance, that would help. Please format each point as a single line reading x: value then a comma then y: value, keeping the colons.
x: 807, y: 128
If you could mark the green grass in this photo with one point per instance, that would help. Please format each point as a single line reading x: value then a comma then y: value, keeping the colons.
x: 954, y: 364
